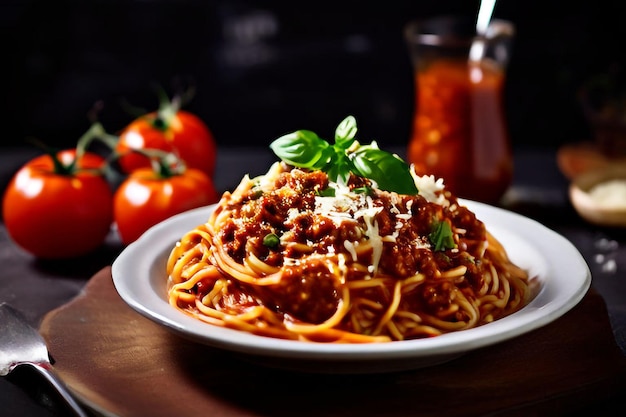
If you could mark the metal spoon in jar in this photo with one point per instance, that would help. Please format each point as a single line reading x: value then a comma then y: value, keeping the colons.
x: 21, y: 344
x: 485, y: 12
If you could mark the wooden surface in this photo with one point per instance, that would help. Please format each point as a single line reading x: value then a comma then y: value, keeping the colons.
x: 124, y: 364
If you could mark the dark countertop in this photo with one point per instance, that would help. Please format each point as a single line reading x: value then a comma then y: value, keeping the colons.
x: 539, y: 191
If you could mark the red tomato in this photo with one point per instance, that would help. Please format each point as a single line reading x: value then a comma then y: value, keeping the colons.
x: 144, y: 199
x: 181, y: 133
x: 54, y: 215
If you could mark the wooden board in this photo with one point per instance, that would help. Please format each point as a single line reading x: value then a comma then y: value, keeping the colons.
x: 123, y: 364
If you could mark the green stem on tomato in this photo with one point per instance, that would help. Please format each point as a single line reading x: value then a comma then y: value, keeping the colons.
x: 95, y: 132
x: 164, y: 164
x: 168, y: 107
x: 59, y: 167
x: 166, y: 111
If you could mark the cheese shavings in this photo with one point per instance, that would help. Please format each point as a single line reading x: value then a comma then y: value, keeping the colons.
x: 349, y: 206
x: 430, y: 188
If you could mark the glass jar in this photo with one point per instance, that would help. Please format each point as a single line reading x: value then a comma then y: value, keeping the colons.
x: 459, y: 130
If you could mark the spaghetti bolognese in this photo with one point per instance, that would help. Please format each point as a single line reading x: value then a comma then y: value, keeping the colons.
x: 298, y: 253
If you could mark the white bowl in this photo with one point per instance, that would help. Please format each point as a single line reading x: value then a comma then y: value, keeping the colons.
x: 592, y: 209
x: 560, y: 271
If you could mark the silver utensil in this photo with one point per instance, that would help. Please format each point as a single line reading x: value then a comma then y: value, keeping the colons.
x: 482, y: 24
x: 21, y: 344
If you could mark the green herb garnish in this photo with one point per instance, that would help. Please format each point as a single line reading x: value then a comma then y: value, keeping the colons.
x: 441, y: 237
x: 362, y: 190
x: 305, y: 149
x: 271, y: 240
x: 327, y: 192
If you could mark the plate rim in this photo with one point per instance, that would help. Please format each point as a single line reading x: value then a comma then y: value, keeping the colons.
x: 135, y: 260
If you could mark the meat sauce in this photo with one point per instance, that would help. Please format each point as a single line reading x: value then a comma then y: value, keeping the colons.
x: 310, y: 291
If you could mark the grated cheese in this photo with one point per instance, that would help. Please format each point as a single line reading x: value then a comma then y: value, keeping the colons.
x: 429, y: 187
x: 350, y: 247
x: 348, y: 206
x: 610, y: 194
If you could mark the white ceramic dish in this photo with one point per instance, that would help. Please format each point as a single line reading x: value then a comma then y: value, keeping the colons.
x: 562, y: 274
x: 595, y: 211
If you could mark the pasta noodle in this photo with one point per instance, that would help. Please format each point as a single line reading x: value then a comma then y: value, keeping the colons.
x: 292, y: 255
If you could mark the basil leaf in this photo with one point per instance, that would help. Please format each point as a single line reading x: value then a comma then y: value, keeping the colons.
x: 389, y: 171
x: 345, y: 133
x: 304, y: 149
x: 326, y: 157
x: 441, y: 237
x: 363, y: 190
x: 301, y: 148
x: 339, y: 169
x: 326, y: 192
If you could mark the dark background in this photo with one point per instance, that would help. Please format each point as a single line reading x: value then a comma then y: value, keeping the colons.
x: 264, y: 68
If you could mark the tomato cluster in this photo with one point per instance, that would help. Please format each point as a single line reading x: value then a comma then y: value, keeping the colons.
x: 63, y: 204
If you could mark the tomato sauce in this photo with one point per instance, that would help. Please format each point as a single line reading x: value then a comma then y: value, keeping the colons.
x: 459, y: 130
x: 310, y: 292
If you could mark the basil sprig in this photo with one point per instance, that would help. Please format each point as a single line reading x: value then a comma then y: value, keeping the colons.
x: 305, y: 149
x: 441, y: 236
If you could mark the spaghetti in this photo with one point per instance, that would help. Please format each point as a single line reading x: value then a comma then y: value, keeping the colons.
x: 291, y: 254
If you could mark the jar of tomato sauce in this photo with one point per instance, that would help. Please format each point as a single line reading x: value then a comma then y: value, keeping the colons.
x: 459, y: 130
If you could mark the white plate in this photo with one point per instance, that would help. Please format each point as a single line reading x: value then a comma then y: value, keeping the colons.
x: 563, y: 276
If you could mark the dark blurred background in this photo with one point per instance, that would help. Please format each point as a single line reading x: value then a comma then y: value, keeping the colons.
x: 264, y: 68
